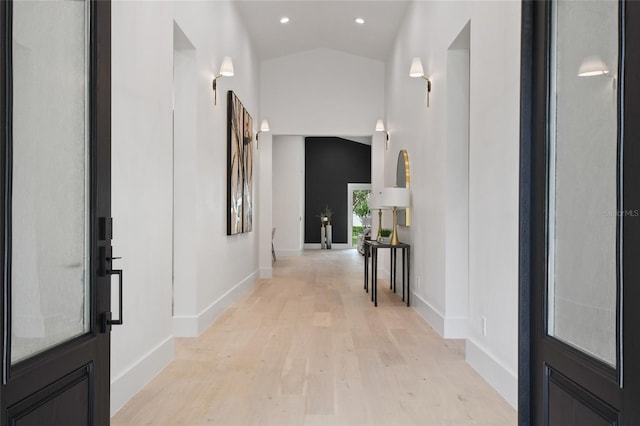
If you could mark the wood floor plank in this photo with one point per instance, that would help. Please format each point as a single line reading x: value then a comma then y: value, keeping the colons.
x: 309, y: 348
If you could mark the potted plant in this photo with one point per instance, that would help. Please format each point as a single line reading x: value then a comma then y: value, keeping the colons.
x: 385, y: 236
x: 325, y: 216
x: 325, y: 231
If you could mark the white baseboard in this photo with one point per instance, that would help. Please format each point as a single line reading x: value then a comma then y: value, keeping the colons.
x: 493, y: 371
x: 334, y: 246
x: 456, y: 328
x: 129, y: 382
x: 428, y: 313
x: 266, y: 273
x: 192, y: 326
x: 342, y: 246
x: 448, y: 328
x: 288, y: 252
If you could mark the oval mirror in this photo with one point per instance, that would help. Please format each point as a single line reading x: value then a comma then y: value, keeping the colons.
x: 403, y: 180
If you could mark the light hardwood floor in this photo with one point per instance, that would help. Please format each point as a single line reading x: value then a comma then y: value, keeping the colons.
x: 309, y: 348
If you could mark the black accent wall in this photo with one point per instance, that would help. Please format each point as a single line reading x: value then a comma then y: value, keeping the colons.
x: 330, y: 164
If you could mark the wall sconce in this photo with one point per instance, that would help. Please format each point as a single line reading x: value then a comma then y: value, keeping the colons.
x: 226, y: 70
x: 591, y: 66
x: 380, y: 128
x: 264, y: 127
x: 594, y: 66
x: 416, y: 70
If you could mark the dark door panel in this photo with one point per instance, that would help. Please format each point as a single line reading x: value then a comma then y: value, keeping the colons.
x: 580, y: 214
x: 571, y: 404
x: 63, y: 402
x: 55, y: 174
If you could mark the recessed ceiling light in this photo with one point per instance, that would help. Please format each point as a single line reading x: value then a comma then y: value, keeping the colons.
x: 359, y: 21
x: 284, y: 20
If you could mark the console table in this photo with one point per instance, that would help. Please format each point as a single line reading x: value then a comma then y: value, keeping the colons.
x: 371, y: 250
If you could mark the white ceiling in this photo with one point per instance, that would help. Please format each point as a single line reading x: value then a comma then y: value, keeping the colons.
x: 323, y: 24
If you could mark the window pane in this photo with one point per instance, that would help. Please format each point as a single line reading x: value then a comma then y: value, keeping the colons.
x: 583, y: 177
x: 49, y: 263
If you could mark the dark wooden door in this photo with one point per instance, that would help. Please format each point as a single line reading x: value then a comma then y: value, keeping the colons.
x: 580, y: 214
x: 54, y: 226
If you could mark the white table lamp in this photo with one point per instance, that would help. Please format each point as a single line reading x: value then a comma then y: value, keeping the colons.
x: 396, y: 198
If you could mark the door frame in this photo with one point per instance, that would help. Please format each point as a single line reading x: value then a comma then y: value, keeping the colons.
x: 533, y: 101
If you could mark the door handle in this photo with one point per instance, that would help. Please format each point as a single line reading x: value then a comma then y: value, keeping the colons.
x: 107, y: 320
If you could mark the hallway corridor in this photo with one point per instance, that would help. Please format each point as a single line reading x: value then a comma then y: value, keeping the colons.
x: 308, y: 348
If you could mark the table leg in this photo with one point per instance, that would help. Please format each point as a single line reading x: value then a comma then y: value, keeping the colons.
x: 374, y: 275
x: 408, y: 274
x: 403, y: 265
x: 366, y: 268
x: 390, y: 268
x: 395, y: 269
x: 373, y: 270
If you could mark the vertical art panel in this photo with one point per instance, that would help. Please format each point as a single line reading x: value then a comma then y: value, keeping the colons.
x: 240, y: 167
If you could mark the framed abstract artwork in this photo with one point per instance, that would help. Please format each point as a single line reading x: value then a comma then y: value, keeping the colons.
x: 239, y: 167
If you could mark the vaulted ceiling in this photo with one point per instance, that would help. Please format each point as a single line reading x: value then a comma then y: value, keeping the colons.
x: 323, y: 24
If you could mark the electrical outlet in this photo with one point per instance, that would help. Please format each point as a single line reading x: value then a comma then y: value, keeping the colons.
x: 418, y: 282
x: 484, y: 326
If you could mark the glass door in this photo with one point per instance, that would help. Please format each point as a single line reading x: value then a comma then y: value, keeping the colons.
x: 580, y: 214
x: 55, y: 170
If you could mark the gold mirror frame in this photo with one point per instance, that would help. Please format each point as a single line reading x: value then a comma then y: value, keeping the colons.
x: 403, y: 180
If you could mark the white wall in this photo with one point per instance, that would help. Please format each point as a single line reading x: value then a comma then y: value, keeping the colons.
x: 428, y: 31
x: 322, y: 92
x: 288, y: 194
x: 185, y: 152
x: 142, y: 55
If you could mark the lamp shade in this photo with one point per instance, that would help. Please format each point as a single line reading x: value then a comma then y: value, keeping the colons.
x: 375, y: 200
x: 592, y: 65
x: 395, y: 197
x: 379, y: 126
x: 416, y: 68
x: 226, y: 69
x: 264, y: 126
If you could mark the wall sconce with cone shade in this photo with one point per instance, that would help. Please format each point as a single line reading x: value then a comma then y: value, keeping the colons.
x: 380, y: 128
x: 416, y: 71
x: 591, y: 66
x: 264, y: 127
x: 594, y: 66
x: 397, y: 198
x: 226, y: 70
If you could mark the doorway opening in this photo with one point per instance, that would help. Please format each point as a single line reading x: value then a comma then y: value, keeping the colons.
x: 184, y: 176
x: 358, y: 214
x: 457, y: 186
